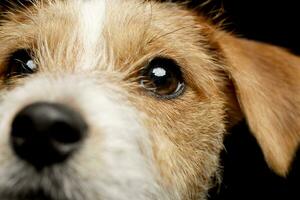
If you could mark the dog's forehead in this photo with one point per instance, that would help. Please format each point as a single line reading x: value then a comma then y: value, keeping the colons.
x: 133, y: 26
x: 91, y: 30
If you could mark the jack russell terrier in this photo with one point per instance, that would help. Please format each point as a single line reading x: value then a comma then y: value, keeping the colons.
x: 131, y: 99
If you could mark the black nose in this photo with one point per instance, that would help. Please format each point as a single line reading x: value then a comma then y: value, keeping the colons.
x: 44, y: 134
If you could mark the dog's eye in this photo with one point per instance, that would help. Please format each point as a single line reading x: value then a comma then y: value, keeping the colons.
x: 162, y: 77
x: 21, y: 63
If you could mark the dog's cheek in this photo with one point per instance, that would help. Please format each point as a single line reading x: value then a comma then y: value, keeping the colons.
x: 186, y: 137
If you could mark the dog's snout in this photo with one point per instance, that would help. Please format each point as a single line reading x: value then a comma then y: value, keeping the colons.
x: 45, y: 134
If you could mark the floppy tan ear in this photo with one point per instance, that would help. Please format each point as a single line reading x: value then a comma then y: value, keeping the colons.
x: 267, y: 84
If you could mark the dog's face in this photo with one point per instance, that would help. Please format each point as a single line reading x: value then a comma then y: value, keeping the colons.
x: 129, y: 99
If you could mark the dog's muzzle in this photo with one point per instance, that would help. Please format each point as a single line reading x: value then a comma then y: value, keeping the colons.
x: 64, y: 143
x: 44, y: 134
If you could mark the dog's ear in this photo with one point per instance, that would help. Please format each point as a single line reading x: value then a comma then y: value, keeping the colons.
x: 267, y: 84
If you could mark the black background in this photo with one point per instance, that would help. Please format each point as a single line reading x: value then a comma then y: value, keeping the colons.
x: 269, y: 21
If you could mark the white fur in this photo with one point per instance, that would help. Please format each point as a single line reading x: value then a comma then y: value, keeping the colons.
x: 91, y: 19
x: 110, y: 164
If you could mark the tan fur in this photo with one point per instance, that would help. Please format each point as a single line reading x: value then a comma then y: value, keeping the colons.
x: 227, y: 79
x: 267, y: 83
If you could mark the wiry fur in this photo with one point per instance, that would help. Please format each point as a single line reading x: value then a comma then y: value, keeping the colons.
x: 90, y: 54
x: 115, y: 144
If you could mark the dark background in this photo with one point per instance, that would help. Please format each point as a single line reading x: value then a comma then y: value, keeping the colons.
x: 246, y: 175
x: 270, y: 21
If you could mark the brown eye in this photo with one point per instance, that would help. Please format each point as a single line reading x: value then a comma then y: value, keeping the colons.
x: 21, y: 63
x: 162, y: 78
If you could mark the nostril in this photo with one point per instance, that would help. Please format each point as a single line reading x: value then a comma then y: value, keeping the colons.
x: 44, y: 134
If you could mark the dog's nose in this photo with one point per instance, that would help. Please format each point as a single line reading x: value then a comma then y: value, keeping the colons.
x: 44, y: 134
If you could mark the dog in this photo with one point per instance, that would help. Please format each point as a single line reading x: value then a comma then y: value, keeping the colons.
x: 131, y: 99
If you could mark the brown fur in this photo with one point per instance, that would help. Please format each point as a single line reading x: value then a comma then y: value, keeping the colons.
x: 227, y: 78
